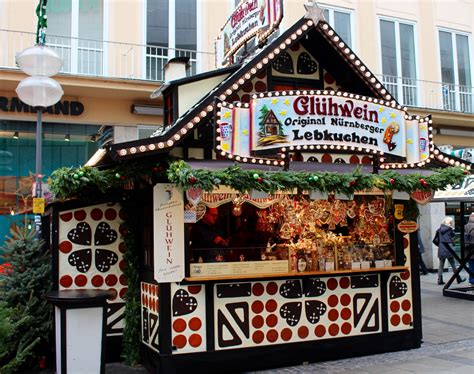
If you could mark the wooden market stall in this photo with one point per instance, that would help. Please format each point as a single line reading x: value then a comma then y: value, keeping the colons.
x: 267, y: 229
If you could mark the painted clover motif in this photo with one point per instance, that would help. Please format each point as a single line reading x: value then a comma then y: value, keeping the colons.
x: 82, y: 258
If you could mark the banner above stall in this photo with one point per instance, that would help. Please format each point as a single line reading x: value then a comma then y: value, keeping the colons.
x: 283, y: 121
x: 251, y: 18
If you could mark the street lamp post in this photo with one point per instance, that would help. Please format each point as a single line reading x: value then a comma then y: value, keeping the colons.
x: 39, y: 90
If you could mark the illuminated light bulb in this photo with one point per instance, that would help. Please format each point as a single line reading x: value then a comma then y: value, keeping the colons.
x: 184, y: 131
x: 122, y: 152
x: 169, y: 143
x: 161, y: 145
x: 260, y: 162
x: 222, y: 97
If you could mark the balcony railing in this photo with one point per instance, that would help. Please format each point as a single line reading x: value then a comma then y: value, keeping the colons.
x: 430, y: 95
x: 101, y: 58
x: 132, y: 61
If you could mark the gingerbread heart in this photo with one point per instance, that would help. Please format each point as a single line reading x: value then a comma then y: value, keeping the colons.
x: 397, y: 287
x: 104, y: 234
x: 81, y: 234
x: 291, y: 312
x: 314, y: 310
x: 183, y: 303
x: 315, y: 287
x: 194, y: 195
x: 200, y: 211
x: 291, y: 289
x: 422, y: 197
x: 306, y: 65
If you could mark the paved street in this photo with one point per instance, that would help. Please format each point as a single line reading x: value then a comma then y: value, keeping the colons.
x: 448, y: 335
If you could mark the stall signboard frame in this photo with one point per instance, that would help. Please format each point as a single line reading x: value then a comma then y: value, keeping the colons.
x: 278, y: 121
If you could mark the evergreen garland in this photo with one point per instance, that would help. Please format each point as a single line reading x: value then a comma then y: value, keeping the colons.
x: 89, y: 182
x: 131, y: 332
x: 180, y: 173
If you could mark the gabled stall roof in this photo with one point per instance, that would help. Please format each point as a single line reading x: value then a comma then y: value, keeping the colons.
x: 331, y: 49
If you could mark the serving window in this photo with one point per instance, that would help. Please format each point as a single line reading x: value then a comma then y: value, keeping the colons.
x: 238, y: 235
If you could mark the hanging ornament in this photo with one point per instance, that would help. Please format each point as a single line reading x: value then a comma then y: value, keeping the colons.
x: 352, y: 182
x: 194, y: 195
x: 259, y: 179
x: 423, y: 182
x: 255, y: 176
x: 237, y: 206
x: 392, y: 181
x: 192, y: 179
x: 75, y: 176
x: 117, y: 176
x: 81, y: 173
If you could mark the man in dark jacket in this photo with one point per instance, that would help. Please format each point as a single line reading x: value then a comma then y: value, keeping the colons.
x: 469, y: 241
x: 445, y: 248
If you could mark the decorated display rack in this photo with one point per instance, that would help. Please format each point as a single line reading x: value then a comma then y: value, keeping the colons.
x: 273, y: 222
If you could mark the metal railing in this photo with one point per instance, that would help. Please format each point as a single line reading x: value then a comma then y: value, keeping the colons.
x: 100, y: 58
x: 430, y: 95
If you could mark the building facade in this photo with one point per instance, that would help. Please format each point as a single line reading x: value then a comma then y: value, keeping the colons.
x: 114, y: 53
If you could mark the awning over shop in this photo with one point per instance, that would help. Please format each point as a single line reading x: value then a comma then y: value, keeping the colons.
x: 460, y: 192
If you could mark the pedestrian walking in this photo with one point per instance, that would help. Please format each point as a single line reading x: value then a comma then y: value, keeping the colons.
x: 469, y: 242
x: 446, y: 249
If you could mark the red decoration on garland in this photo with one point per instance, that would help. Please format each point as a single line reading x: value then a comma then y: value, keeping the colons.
x: 352, y: 183
x: 259, y: 179
x: 423, y: 182
x: 192, y: 179
x: 392, y: 181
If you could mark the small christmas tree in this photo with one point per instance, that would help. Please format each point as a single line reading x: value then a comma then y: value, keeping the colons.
x: 26, y: 314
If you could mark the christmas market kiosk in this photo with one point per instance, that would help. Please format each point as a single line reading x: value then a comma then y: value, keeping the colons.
x: 273, y: 219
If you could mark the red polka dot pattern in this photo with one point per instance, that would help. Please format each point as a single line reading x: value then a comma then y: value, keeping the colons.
x: 66, y: 217
x: 406, y: 274
x: 123, y: 293
x: 271, y: 320
x: 406, y: 305
x: 80, y: 280
x: 272, y: 288
x: 111, y: 280
x: 194, y: 289
x: 258, y: 289
x: 346, y: 328
x: 326, y: 158
x: 333, y: 329
x: 346, y: 314
x: 257, y: 322
x: 113, y: 293
x: 406, y: 319
x: 97, y: 214
x: 354, y: 159
x: 195, y: 324
x: 80, y: 215
x: 344, y: 282
x: 97, y: 280
x: 320, y: 331
x: 286, y: 334
x: 110, y: 214
x: 395, y: 320
x: 65, y: 246
x: 272, y: 335
x: 195, y: 340
x: 180, y: 341
x: 332, y: 284
x: 303, y: 332
x: 394, y: 306
x: 333, y: 301
x: 345, y: 299
x: 258, y: 337
x: 65, y: 281
x: 179, y: 325
x: 257, y: 307
x: 271, y: 306
x: 123, y: 280
x: 333, y: 315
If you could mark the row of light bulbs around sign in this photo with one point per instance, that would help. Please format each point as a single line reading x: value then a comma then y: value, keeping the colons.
x: 253, y: 71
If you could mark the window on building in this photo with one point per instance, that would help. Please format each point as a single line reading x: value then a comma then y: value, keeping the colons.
x: 456, y: 71
x: 75, y: 31
x: 399, y: 60
x: 341, y: 21
x: 171, y: 32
